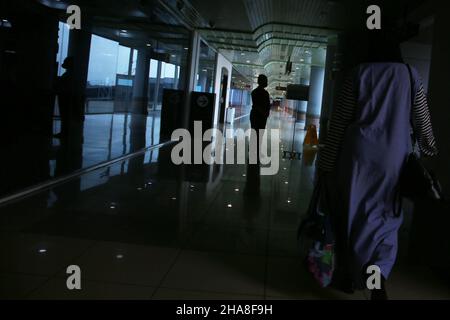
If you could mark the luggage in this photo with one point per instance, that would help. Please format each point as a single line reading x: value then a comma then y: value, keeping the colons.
x: 316, y: 238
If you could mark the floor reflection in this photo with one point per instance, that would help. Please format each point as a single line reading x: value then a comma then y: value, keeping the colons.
x: 145, y: 228
x: 34, y: 158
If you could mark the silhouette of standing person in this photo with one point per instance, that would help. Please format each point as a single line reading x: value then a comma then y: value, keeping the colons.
x: 260, y: 109
x: 64, y: 91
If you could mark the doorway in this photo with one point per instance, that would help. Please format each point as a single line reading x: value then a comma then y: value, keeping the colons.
x: 223, y: 94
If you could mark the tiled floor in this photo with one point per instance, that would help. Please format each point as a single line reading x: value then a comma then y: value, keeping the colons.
x: 34, y: 158
x: 145, y: 229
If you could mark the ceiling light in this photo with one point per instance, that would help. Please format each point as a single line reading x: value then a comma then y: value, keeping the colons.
x: 248, y: 61
x: 124, y: 31
x: 149, y: 45
x: 173, y: 55
x: 186, y: 48
x: 242, y: 54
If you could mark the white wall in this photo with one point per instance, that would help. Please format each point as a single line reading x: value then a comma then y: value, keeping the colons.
x: 221, y: 62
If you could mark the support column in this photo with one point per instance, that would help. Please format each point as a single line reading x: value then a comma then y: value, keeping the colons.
x: 302, y: 105
x: 140, y: 84
x: 177, y: 78
x: 158, y: 82
x: 79, y: 49
x: 438, y: 94
x: 192, y: 61
x: 315, y: 96
x: 332, y: 66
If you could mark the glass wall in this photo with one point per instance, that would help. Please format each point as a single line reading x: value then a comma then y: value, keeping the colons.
x: 126, y: 78
x: 63, y: 46
x: 112, y: 71
x: 206, y: 69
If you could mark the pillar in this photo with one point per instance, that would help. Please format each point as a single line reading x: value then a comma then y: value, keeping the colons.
x: 157, y: 84
x: 302, y: 105
x: 438, y: 94
x: 79, y: 49
x: 140, y: 84
x: 332, y: 66
x: 315, y: 96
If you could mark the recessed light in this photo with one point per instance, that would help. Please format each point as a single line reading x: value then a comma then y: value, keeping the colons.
x: 230, y: 205
x: 149, y: 45
x: 186, y: 48
x: 124, y: 31
x: 42, y: 250
x: 248, y: 61
x: 119, y: 256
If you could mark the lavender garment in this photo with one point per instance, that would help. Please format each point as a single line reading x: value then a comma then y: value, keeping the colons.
x: 374, y: 149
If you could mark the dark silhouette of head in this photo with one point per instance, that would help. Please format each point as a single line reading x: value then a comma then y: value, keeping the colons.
x: 262, y: 81
x: 370, y: 46
x: 68, y: 63
x: 383, y: 46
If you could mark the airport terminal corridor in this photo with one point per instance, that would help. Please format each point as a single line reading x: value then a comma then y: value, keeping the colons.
x: 117, y: 181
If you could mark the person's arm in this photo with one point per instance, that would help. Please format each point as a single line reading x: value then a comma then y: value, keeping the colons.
x: 422, y: 124
x: 341, y: 118
x: 267, y: 104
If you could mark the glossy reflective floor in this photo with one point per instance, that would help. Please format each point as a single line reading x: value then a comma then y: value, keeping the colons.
x: 146, y: 229
x: 34, y: 158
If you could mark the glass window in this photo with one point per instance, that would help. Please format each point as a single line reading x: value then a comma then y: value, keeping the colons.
x: 63, y: 45
x: 103, y: 61
x: 206, y: 69
x: 123, y: 60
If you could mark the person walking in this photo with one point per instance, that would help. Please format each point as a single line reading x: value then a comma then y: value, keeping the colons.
x: 260, y: 110
x: 367, y: 146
